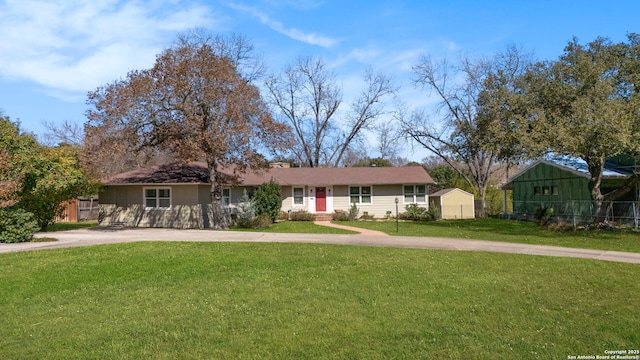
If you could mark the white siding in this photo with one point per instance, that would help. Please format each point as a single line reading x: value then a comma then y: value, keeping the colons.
x: 383, y: 200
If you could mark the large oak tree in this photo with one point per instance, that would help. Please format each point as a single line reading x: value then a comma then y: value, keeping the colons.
x: 197, y: 103
x: 589, y: 103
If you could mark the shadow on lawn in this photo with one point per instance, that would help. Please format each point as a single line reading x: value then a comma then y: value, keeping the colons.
x: 524, y: 228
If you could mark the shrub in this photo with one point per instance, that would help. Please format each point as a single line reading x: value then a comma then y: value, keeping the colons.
x: 416, y: 213
x: 246, y: 211
x: 301, y: 215
x: 543, y: 215
x: 17, y: 225
x: 261, y: 221
x: 434, y: 211
x: 341, y: 215
x: 268, y: 200
x: 283, y: 216
x: 353, y: 212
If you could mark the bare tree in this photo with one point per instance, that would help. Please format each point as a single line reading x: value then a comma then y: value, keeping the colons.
x: 196, y: 103
x: 308, y: 97
x: 235, y: 47
x: 67, y: 132
x: 460, y: 134
x: 389, y: 140
x: 106, y: 151
x: 103, y: 153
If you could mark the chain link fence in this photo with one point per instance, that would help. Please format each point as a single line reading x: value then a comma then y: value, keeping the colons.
x: 578, y: 213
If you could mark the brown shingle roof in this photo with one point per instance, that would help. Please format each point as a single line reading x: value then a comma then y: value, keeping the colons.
x: 192, y: 173
x: 198, y: 173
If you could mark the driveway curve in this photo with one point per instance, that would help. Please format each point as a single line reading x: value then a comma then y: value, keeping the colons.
x: 101, y: 236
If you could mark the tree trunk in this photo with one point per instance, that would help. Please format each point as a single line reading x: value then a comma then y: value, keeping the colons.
x: 596, y: 167
x: 221, y: 220
x: 482, y: 190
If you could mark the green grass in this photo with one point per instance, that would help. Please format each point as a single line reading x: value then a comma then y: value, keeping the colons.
x: 62, y: 226
x: 308, y: 301
x: 480, y: 229
x: 298, y: 227
x: 509, y: 231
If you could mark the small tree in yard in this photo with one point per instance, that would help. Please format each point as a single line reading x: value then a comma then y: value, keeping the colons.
x: 246, y: 211
x: 55, y: 177
x: 268, y: 200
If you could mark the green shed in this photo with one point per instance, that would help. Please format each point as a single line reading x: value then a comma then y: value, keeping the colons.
x: 561, y: 183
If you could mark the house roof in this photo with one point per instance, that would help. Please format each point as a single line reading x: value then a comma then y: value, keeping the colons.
x: 447, y: 191
x: 192, y: 173
x: 580, y: 167
x: 574, y: 165
x: 197, y: 173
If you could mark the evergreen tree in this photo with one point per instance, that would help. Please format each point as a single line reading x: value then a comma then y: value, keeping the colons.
x: 268, y: 200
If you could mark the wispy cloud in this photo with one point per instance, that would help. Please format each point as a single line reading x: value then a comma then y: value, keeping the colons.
x: 71, y: 47
x: 309, y: 38
x: 298, y: 4
x: 449, y: 45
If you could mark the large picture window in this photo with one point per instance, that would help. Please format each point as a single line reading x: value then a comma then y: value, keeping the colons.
x: 360, y: 194
x: 298, y: 196
x: 415, y: 194
x: 157, y: 198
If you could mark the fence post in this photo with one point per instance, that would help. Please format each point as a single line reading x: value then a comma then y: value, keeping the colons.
x: 613, y: 219
x: 573, y: 214
x: 635, y: 216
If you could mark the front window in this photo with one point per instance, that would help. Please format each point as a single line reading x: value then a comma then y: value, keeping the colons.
x: 421, y: 194
x: 157, y: 198
x: 226, y: 197
x: 298, y: 196
x: 360, y: 194
x: 415, y: 194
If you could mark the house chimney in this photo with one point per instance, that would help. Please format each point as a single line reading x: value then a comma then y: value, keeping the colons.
x: 279, y: 165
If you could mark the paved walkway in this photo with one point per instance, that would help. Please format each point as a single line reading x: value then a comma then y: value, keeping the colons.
x: 344, y: 227
x: 99, y: 236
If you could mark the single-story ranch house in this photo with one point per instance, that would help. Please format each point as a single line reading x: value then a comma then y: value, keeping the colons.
x: 178, y: 195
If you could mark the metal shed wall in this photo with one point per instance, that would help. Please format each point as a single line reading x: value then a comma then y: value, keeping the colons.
x: 544, y: 183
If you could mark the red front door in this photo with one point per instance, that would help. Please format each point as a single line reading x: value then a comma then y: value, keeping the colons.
x: 321, y: 199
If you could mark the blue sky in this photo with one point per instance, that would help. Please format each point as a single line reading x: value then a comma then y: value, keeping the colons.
x: 53, y: 52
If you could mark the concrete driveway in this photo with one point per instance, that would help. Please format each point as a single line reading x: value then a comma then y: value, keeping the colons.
x: 100, y: 236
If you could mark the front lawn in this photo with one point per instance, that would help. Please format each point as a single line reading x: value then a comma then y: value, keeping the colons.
x: 298, y: 227
x: 310, y: 301
x: 62, y: 226
x: 509, y: 231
